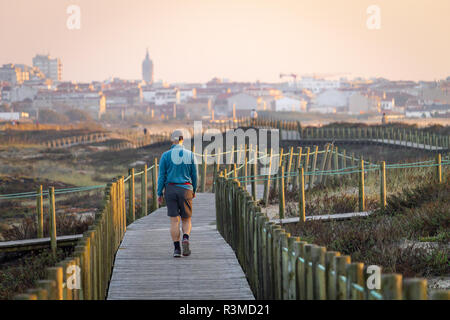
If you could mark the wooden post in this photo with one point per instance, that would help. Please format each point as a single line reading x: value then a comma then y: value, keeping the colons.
x: 155, y: 185
x: 289, y: 164
x: 40, y: 212
x: 52, y: 217
x: 383, y: 185
x: 415, y: 289
x: 391, y: 286
x: 340, y: 268
x: 331, y: 282
x: 56, y: 274
x: 318, y: 272
x: 328, y: 164
x: 301, y: 193
x: 355, y: 277
x: 324, y: 162
x: 297, y: 165
x: 254, y: 172
x: 312, y: 177
x: 204, y: 171
x: 440, y: 295
x: 131, y: 196
x: 309, y: 278
x: 439, y: 168
x: 280, y: 162
x: 336, y: 159
x: 281, y: 192
x: 306, y: 167
x: 231, y: 159
x: 245, y: 168
x: 267, y: 182
x: 144, y: 205
x: 362, y: 204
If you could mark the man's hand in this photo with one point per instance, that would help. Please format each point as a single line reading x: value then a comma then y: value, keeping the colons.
x: 160, y: 200
x: 194, y: 196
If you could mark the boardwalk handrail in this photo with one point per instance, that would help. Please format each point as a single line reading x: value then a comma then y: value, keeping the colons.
x: 279, y: 266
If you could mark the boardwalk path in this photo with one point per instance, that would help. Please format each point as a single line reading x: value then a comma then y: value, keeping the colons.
x: 145, y: 269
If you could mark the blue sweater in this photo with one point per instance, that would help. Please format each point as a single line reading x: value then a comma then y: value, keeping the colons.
x: 177, y: 165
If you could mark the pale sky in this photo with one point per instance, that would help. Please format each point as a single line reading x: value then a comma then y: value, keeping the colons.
x: 243, y: 40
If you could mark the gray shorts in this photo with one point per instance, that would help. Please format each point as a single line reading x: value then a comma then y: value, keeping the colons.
x: 178, y: 201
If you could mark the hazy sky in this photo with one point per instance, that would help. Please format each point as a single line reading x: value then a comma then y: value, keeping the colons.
x: 195, y: 40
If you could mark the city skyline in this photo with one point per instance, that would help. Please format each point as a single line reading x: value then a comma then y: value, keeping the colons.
x: 200, y: 40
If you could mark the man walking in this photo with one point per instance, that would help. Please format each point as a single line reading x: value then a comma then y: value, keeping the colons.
x: 178, y: 179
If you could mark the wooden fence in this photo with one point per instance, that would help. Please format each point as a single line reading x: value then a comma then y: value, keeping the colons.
x: 86, y: 273
x: 282, y: 267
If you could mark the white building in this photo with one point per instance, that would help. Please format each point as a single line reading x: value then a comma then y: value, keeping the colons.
x: 241, y: 104
x: 187, y: 94
x: 388, y: 104
x: 52, y: 68
x: 317, y: 85
x: 167, y: 96
x: 92, y: 102
x: 289, y: 104
x: 13, y: 116
x: 13, y: 74
x: 332, y: 98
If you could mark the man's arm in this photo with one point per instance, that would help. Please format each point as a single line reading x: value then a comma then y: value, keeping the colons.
x: 162, y: 176
x: 194, y: 172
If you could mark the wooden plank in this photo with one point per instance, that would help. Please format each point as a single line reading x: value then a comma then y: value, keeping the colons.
x: 35, y: 244
x: 325, y: 217
x: 145, y: 269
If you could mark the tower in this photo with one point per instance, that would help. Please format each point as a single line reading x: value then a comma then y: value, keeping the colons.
x: 147, y: 69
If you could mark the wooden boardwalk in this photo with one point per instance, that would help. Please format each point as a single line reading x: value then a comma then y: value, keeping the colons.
x: 145, y: 269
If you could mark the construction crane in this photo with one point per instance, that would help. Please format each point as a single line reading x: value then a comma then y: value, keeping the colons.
x: 293, y: 75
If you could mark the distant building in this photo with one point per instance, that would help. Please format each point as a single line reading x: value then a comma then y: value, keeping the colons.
x: 198, y: 108
x: 147, y: 69
x: 92, y: 102
x: 362, y: 103
x: 289, y: 104
x: 13, y: 116
x: 317, y: 85
x: 13, y: 74
x: 52, y: 68
x: 331, y: 98
x: 241, y: 104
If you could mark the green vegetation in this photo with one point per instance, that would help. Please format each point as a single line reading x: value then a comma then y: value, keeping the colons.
x: 392, y: 237
x: 20, y: 274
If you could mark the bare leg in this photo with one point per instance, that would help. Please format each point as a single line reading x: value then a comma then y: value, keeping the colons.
x: 186, y: 225
x: 175, y: 228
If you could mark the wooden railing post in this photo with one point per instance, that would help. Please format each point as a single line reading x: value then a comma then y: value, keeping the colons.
x: 438, y: 168
x: 281, y: 192
x: 414, y: 289
x: 144, y: 201
x: 52, y: 218
x: 254, y: 172
x: 40, y: 212
x: 383, y: 185
x: 56, y: 274
x: 362, y: 204
x: 391, y: 286
x: 313, y: 169
x: 267, y: 182
x: 204, y: 171
x: 131, y: 196
x: 301, y: 194
x: 155, y: 185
